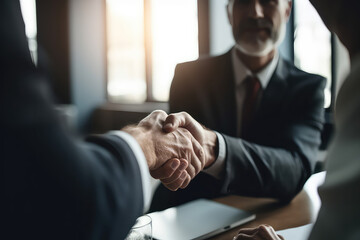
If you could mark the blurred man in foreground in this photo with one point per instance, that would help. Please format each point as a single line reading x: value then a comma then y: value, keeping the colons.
x: 55, y: 186
x: 340, y: 194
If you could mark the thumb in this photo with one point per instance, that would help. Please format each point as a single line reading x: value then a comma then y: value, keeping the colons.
x: 173, y: 122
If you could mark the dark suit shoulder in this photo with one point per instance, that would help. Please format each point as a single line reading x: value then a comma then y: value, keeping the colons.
x: 203, y: 68
x: 206, y: 60
x: 297, y: 76
x: 304, y: 93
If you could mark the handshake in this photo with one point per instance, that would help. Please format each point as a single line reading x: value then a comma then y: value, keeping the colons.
x: 176, y: 147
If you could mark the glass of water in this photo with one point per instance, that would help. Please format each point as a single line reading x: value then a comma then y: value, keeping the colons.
x: 142, y: 230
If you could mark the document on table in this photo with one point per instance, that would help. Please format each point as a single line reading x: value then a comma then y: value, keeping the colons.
x: 298, y: 233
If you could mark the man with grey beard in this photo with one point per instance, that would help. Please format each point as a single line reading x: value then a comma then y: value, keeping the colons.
x: 261, y: 115
x: 340, y: 194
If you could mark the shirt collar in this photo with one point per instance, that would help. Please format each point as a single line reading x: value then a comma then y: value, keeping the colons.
x: 241, y: 71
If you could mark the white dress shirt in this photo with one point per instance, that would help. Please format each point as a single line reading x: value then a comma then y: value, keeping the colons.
x: 144, y: 169
x: 241, y: 72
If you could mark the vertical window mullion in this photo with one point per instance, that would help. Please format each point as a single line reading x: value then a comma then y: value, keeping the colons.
x: 204, y: 27
x: 148, y: 50
x: 333, y: 73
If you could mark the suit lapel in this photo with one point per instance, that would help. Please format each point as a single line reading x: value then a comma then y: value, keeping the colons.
x: 223, y: 93
x: 275, y: 91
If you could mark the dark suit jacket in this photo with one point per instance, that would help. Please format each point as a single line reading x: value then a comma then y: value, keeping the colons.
x: 54, y: 186
x: 278, y: 153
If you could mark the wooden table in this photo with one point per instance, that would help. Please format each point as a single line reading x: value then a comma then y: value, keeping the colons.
x: 301, y: 210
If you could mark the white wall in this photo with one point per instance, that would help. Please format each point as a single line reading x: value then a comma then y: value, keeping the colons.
x: 87, y: 57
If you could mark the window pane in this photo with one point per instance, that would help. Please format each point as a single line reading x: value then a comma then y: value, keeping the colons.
x: 312, y: 44
x: 28, y: 9
x: 126, y: 54
x: 174, y: 40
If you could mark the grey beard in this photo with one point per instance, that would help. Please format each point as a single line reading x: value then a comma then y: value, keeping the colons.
x: 265, y: 47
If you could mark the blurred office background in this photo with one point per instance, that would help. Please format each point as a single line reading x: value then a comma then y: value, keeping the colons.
x: 111, y: 62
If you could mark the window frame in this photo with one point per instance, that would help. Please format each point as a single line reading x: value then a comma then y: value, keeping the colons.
x: 204, y: 50
x: 328, y: 130
x: 203, y: 42
x: 329, y: 109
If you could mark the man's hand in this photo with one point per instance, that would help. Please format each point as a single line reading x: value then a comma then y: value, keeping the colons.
x: 205, y: 137
x: 168, y: 154
x: 172, y: 174
x: 263, y: 232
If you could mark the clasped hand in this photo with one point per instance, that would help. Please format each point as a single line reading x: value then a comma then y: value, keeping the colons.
x: 262, y: 232
x: 174, y: 146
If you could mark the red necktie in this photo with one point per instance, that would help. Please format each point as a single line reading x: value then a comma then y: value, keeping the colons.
x: 249, y: 107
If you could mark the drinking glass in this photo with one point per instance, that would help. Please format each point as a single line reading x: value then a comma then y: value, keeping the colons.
x: 142, y: 230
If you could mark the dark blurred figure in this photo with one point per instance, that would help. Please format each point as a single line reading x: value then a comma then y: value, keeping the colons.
x: 340, y: 194
x: 267, y: 113
x: 54, y: 186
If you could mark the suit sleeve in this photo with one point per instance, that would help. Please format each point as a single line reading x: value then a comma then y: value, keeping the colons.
x: 53, y: 184
x: 277, y: 167
x: 278, y: 172
x: 340, y: 196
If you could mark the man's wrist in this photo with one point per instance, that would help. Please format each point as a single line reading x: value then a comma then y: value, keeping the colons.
x: 141, y: 135
x: 210, y: 147
x: 143, y: 165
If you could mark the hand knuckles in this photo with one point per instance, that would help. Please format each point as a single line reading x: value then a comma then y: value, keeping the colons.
x: 165, y: 181
x: 173, y: 186
x: 173, y: 177
x: 198, y: 169
x: 186, y: 182
x: 185, y: 133
x: 263, y: 228
x: 241, y: 236
x: 159, y: 113
x: 172, y: 189
x: 202, y: 157
x: 185, y: 114
x: 154, y: 175
x: 171, y: 117
x: 185, y: 185
x: 166, y: 178
x: 192, y: 173
x: 186, y: 141
x: 201, y: 153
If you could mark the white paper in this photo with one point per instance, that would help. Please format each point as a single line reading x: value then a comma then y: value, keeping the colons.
x: 298, y: 233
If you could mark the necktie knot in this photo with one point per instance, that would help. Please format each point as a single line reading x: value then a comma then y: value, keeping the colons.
x: 253, y: 86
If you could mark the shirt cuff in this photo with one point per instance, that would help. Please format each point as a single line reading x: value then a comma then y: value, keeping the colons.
x: 144, y: 169
x: 217, y: 168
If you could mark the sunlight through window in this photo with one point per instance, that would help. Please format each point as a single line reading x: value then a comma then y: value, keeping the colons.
x: 173, y: 38
x: 312, y: 44
x: 125, y: 53
x: 28, y: 9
